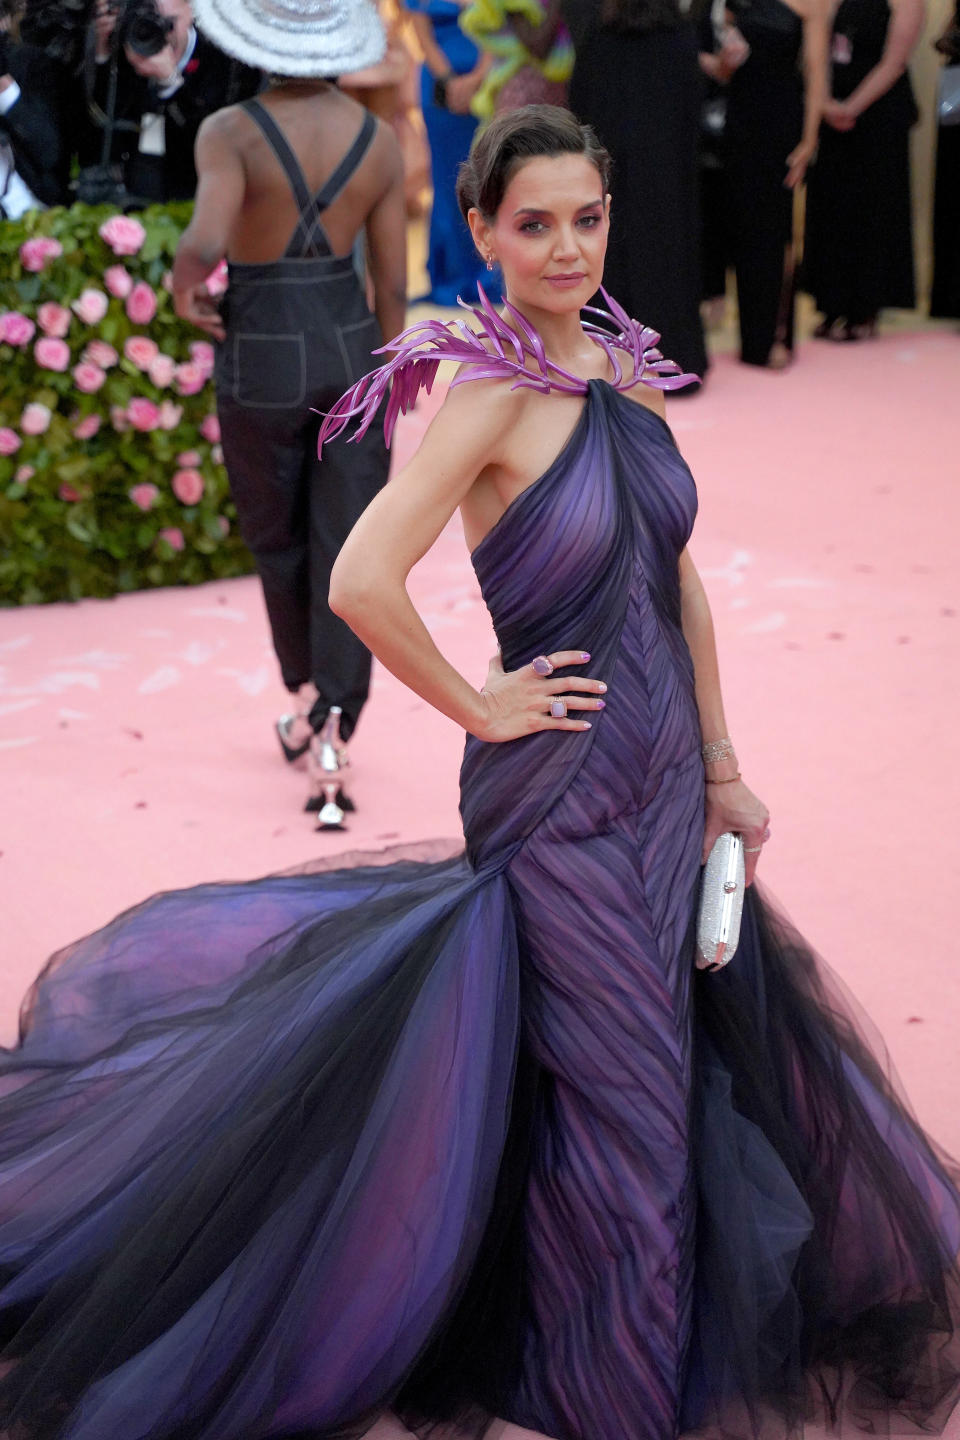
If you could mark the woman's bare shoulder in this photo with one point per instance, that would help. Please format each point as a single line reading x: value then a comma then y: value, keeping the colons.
x: 476, y: 415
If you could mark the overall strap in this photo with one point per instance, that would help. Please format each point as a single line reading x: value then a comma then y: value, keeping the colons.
x: 333, y: 185
x: 281, y: 147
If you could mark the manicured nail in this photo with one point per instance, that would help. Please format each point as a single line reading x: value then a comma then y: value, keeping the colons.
x: 584, y: 655
x: 601, y: 704
x: 587, y: 725
x: 603, y: 688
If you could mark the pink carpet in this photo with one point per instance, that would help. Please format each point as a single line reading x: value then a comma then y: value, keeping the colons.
x: 135, y: 736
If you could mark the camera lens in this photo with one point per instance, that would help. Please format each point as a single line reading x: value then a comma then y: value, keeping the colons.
x: 144, y: 30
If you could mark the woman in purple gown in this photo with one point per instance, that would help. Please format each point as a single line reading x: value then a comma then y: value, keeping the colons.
x: 470, y: 1137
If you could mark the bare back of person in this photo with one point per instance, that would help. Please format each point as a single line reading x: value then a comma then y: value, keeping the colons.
x: 320, y: 124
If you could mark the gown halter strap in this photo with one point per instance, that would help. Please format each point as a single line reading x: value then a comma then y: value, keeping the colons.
x: 503, y: 347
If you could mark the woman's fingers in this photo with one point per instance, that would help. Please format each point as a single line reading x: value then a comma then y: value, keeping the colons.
x: 559, y: 658
x: 547, y: 722
x: 557, y: 685
x: 576, y: 702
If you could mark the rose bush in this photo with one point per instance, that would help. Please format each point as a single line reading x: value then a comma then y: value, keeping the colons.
x: 111, y: 475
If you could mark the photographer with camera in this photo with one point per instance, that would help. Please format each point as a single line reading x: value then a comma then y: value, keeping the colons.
x: 155, y: 79
x: 34, y: 158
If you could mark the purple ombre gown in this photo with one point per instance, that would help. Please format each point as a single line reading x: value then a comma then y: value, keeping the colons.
x: 471, y: 1137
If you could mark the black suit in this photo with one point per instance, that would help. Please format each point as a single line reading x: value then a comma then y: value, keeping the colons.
x: 211, y: 81
x: 35, y: 127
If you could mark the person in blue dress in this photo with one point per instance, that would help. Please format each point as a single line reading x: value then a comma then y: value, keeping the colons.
x: 453, y: 70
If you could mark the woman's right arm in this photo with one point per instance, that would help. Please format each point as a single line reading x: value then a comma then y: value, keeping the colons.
x: 368, y: 584
x: 433, y: 57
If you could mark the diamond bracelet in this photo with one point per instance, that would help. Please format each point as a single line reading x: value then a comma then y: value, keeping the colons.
x: 715, y: 750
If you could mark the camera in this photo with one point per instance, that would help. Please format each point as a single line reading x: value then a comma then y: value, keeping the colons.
x: 141, y: 27
x: 61, y: 26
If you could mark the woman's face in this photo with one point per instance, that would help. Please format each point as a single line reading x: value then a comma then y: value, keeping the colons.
x: 550, y: 233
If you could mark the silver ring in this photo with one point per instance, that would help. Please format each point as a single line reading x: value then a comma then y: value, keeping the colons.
x: 542, y: 666
x: 558, y: 709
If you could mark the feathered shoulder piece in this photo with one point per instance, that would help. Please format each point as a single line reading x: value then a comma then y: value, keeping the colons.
x: 496, y: 347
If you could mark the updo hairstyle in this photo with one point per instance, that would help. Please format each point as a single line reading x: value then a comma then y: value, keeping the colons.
x: 514, y: 137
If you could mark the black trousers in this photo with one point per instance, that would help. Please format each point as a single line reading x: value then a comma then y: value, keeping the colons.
x: 761, y: 228
x: 298, y: 335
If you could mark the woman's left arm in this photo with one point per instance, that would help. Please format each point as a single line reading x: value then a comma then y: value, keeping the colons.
x: 816, y: 41
x: 730, y: 804
x: 903, y: 33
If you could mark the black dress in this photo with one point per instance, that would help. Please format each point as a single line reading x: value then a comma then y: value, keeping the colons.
x: 945, y: 293
x: 858, y: 255
x: 716, y: 254
x: 641, y: 91
x: 764, y: 124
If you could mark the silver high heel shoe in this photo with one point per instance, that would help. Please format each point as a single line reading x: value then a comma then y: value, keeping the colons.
x: 294, y: 750
x: 283, y: 727
x: 328, y: 760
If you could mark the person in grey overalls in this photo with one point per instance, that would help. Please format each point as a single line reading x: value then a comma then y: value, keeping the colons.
x: 287, y: 182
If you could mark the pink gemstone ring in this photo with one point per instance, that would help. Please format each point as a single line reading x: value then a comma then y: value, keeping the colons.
x: 558, y: 709
x: 542, y: 666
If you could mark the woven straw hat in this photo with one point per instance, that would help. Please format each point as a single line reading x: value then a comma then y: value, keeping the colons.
x: 295, y: 37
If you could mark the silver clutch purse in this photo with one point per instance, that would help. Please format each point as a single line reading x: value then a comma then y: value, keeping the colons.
x: 721, y: 903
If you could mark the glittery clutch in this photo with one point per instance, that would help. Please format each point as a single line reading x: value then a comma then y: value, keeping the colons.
x: 721, y: 903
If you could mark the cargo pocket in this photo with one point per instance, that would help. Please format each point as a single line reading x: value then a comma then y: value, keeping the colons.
x: 357, y: 343
x: 269, y: 371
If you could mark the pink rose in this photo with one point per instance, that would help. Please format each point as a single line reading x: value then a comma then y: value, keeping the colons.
x: 223, y: 525
x: 10, y: 441
x: 35, y: 253
x: 118, y: 281
x: 216, y: 454
x: 24, y: 474
x: 203, y: 355
x: 173, y: 537
x: 16, y: 329
x: 162, y: 370
x: 141, y: 303
x: 91, y: 307
x: 35, y: 419
x: 98, y: 352
x: 124, y: 235
x: 187, y: 485
x: 218, y: 280
x: 86, y: 428
x: 189, y: 459
x: 144, y: 496
x: 88, y: 377
x: 54, y: 319
x: 118, y: 419
x: 170, y: 415
x: 67, y: 492
x: 52, y: 354
x: 190, y: 379
x: 210, y: 429
x: 143, y: 414
x: 141, y: 351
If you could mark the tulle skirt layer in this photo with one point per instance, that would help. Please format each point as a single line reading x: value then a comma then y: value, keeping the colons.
x: 264, y: 1158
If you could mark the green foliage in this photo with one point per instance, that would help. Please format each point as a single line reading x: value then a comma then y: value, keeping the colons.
x: 68, y: 525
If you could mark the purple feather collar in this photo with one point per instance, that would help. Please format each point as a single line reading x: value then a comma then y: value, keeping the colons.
x: 517, y: 355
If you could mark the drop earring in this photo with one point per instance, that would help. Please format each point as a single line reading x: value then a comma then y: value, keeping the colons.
x: 490, y: 262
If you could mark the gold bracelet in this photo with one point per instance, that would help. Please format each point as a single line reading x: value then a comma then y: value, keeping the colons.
x: 729, y: 780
